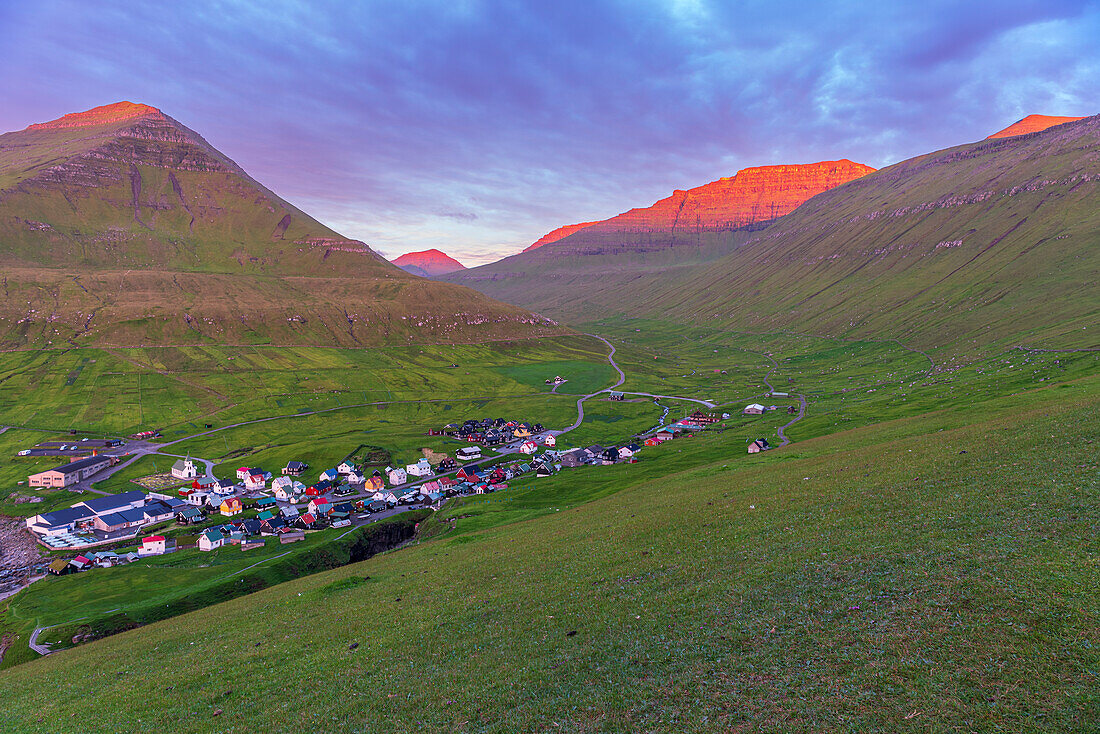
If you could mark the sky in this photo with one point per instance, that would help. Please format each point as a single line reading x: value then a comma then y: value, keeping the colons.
x: 476, y: 127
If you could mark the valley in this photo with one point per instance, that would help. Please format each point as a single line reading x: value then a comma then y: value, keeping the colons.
x: 809, y: 447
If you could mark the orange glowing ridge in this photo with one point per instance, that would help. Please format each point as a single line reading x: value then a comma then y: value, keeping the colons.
x: 104, y: 115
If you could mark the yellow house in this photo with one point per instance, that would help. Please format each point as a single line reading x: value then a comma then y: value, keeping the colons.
x: 231, y: 506
x: 521, y: 432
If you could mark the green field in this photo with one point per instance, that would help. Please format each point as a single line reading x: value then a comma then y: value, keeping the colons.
x: 835, y: 584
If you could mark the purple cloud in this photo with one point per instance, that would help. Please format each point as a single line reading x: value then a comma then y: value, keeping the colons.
x: 475, y: 127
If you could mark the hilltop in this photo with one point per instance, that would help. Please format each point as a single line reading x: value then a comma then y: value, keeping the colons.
x: 428, y: 263
x: 557, y: 234
x: 120, y: 225
x: 1031, y: 124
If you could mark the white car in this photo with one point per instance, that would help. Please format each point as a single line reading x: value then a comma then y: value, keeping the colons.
x: 25, y: 452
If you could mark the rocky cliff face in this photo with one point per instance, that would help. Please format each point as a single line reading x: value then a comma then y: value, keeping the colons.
x: 106, y: 114
x: 1032, y: 124
x: 752, y: 196
x: 558, y: 234
x: 428, y: 263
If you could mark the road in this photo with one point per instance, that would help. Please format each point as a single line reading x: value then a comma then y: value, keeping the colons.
x: 580, y: 402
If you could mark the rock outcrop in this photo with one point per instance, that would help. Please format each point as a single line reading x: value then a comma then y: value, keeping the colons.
x: 752, y: 196
x: 1031, y: 124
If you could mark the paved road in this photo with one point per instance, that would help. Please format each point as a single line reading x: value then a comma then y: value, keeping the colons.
x: 707, y: 403
x: 580, y: 402
x: 783, y: 440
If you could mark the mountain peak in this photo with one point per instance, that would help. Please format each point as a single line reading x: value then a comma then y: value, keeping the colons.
x: 428, y: 263
x: 104, y: 115
x: 1031, y: 124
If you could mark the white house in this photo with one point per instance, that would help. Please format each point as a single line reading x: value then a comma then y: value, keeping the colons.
x: 284, y: 490
x: 347, y: 468
x: 243, y: 472
x: 629, y: 450
x: 356, y: 478
x: 422, y: 468
x: 319, y: 507
x: 254, y: 482
x: 185, y: 469
x: 211, y: 539
x: 396, y: 476
x: 153, y: 545
x: 386, y: 495
x: 528, y: 447
x: 197, y: 498
x: 549, y: 440
x: 754, y: 409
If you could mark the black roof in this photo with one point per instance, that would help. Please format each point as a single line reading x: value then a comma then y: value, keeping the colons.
x: 81, y: 464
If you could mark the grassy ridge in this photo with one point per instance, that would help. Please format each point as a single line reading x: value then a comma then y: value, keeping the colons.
x: 841, y: 590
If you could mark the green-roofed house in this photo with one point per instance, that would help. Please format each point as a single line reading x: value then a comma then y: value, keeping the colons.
x: 211, y: 539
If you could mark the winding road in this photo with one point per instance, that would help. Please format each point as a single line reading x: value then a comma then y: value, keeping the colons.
x: 580, y: 402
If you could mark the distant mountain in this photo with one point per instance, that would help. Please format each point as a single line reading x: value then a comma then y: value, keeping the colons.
x: 119, y: 225
x: 557, y: 234
x: 428, y: 263
x: 990, y: 243
x: 1031, y: 124
x: 683, y: 230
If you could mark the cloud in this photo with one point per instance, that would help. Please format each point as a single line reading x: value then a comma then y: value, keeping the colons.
x: 477, y: 126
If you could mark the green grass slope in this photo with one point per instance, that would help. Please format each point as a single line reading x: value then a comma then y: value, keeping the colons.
x: 994, y: 241
x: 930, y: 572
x: 126, y: 227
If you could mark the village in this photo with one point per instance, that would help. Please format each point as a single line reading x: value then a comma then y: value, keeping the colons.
x: 208, y: 513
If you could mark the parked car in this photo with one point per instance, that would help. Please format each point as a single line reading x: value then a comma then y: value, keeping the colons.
x: 25, y: 452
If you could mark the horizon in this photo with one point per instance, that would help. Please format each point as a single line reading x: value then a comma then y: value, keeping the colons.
x: 446, y: 133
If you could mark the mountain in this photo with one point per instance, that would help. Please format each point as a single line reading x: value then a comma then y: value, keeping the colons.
x: 428, y: 263
x: 119, y: 225
x: 990, y: 242
x: 1031, y: 124
x: 557, y: 234
x: 688, y: 228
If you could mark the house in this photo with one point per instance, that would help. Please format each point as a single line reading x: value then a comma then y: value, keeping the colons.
x: 610, y: 456
x: 318, y: 489
x: 60, y: 567
x: 81, y: 562
x: 549, y: 440
x: 251, y: 527
x: 205, y: 484
x: 377, y: 506
x: 283, y: 489
x: 428, y: 487
x: 523, y: 430
x: 289, y: 512
x: 594, y: 451
x: 185, y: 469
x: 153, y: 545
x: 374, y: 481
x: 420, y: 469
x: 760, y: 444
x: 701, y: 418
x: 754, y: 409
x: 272, y: 526
x: 306, y: 521
x: 266, y: 502
x: 211, y: 539
x: 653, y: 441
x: 292, y: 536
x: 295, y: 468
x: 629, y: 450
x: 197, y: 498
x: 434, y: 497
x: 255, y: 481
x: 69, y: 474
x: 528, y: 447
x: 396, y: 476
x: 446, y: 464
x: 242, y: 472
x: 616, y: 396
x: 468, y: 453
x: 319, y: 507
x: 544, y: 470
x: 190, y: 516
x: 251, y: 543
x: 329, y: 475
x: 573, y: 458
x: 231, y: 506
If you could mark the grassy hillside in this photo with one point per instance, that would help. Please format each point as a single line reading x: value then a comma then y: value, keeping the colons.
x: 125, y: 227
x: 927, y: 571
x: 991, y: 242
